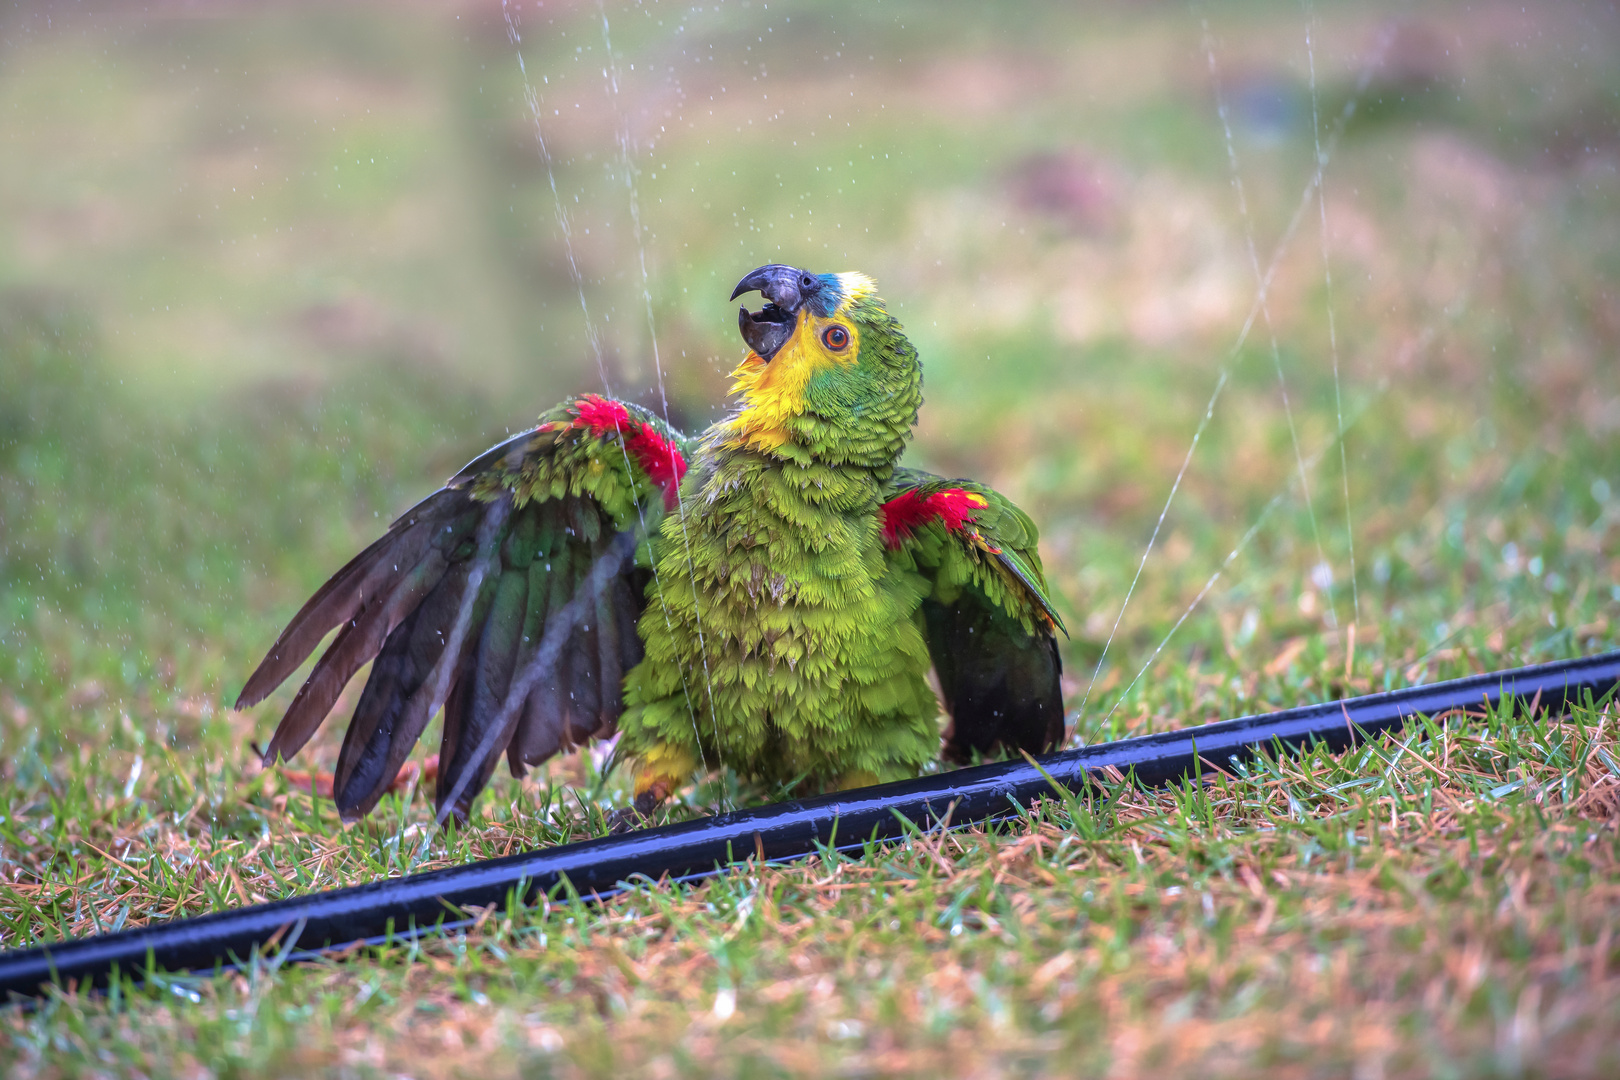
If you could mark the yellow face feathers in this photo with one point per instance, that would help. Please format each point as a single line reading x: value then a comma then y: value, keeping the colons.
x: 774, y: 392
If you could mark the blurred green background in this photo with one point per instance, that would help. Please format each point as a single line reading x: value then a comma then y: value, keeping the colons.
x: 269, y: 273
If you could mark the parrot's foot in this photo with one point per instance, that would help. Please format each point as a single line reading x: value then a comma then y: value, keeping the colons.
x: 638, y: 815
x: 625, y: 819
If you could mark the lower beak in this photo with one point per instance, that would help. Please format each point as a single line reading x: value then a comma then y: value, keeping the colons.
x: 766, y: 331
x: 785, y: 289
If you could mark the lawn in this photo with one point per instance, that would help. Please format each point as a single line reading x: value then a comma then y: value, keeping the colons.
x: 268, y: 276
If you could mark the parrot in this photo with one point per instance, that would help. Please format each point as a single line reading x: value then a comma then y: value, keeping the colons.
x: 769, y: 596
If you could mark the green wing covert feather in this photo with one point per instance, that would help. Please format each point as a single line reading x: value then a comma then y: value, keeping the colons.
x: 452, y: 604
x: 971, y: 533
x: 988, y: 620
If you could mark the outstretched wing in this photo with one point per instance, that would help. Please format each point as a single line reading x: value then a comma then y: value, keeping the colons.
x: 510, y: 597
x: 989, y: 622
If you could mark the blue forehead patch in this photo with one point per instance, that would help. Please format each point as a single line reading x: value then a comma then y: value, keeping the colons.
x: 826, y: 300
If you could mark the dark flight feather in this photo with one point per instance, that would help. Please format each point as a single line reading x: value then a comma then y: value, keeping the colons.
x: 363, y: 578
x: 398, y: 675
x: 352, y: 649
x: 1000, y: 683
x: 486, y: 676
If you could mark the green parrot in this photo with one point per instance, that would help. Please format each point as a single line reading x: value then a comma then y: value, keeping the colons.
x: 768, y: 596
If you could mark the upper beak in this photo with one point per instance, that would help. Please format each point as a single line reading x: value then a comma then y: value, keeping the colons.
x: 784, y: 286
x: 785, y: 289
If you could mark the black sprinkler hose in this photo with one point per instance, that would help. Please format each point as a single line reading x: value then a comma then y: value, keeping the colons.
x: 401, y: 908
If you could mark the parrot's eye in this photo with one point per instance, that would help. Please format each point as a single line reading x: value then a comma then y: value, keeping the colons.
x: 835, y: 337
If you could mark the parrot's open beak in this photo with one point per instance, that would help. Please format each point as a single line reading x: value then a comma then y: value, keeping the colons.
x: 785, y: 289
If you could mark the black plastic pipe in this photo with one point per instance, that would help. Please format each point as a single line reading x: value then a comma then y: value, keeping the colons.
x: 400, y: 908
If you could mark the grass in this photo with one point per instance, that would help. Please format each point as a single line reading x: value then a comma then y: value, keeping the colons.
x: 172, y: 486
x: 1439, y: 904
